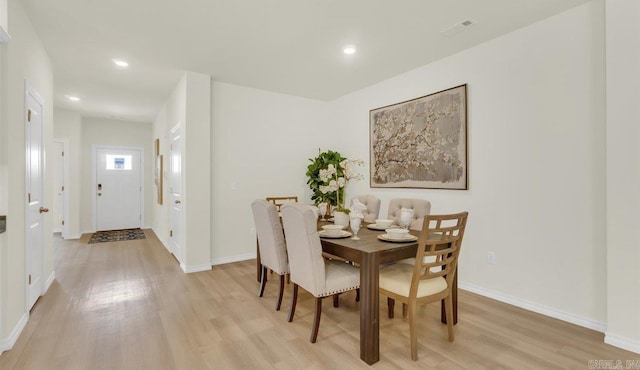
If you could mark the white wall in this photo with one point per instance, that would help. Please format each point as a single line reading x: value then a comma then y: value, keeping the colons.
x: 4, y: 25
x: 261, y: 142
x: 173, y: 113
x: 23, y: 58
x: 118, y: 133
x: 623, y: 174
x: 68, y: 125
x: 196, y: 173
x: 536, y: 129
x: 190, y: 107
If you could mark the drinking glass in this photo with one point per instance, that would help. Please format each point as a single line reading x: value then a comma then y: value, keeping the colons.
x: 355, y: 226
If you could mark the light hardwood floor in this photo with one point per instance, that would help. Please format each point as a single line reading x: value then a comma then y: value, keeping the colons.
x: 127, y: 305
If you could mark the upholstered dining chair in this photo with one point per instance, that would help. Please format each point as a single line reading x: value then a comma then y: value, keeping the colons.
x: 431, y: 279
x: 315, y: 274
x: 279, y: 201
x: 273, y: 250
x: 373, y: 207
x: 420, y: 208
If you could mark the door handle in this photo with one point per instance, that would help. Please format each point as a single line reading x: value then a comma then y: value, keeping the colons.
x: 177, y: 202
x: 44, y: 210
x: 99, y: 194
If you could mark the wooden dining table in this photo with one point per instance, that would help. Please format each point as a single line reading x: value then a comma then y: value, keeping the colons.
x: 370, y: 252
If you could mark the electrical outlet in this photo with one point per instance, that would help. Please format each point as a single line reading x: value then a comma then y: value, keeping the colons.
x: 252, y: 231
x: 234, y: 185
x: 491, y: 258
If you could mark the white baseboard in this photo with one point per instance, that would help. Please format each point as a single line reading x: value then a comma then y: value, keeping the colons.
x: 7, y: 344
x: 191, y: 269
x: 242, y: 257
x: 49, y: 281
x: 78, y: 236
x: 536, y: 307
x: 622, y: 342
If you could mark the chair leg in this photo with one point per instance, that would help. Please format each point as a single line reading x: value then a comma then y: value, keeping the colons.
x: 294, y: 299
x: 404, y: 310
x: 263, y: 280
x: 448, y: 308
x: 336, y: 300
x: 391, y: 303
x: 412, y: 331
x: 316, y: 320
x: 358, y: 295
x: 280, y: 293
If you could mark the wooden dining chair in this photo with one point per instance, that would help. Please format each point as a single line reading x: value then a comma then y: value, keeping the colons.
x: 315, y: 274
x: 421, y: 208
x: 279, y: 201
x: 273, y: 250
x: 431, y: 279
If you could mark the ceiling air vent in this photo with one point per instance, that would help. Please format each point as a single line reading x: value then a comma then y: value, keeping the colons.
x: 458, y: 27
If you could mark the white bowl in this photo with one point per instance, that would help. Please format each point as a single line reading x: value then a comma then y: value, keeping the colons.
x: 332, y: 229
x: 397, y: 233
x: 384, y: 223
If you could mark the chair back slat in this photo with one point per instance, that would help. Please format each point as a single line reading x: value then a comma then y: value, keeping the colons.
x: 431, y: 262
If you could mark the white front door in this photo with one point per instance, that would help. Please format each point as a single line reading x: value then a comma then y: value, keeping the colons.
x: 34, y: 177
x: 175, y: 191
x: 57, y: 155
x: 118, y: 188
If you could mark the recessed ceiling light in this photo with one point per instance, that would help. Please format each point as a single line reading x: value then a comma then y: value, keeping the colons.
x: 350, y: 49
x: 120, y: 63
x: 73, y: 98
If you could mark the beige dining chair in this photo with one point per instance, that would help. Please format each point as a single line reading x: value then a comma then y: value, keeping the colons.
x: 428, y: 280
x: 315, y: 274
x: 273, y: 250
x: 421, y: 208
x: 279, y: 201
x: 373, y: 207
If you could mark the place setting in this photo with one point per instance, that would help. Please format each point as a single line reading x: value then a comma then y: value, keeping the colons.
x: 397, y: 234
x: 334, y: 232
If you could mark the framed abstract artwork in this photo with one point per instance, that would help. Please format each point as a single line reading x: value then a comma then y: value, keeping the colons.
x: 421, y: 143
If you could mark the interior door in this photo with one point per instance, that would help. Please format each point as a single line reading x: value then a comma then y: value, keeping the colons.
x: 175, y: 191
x: 118, y: 188
x: 35, y: 209
x: 58, y: 186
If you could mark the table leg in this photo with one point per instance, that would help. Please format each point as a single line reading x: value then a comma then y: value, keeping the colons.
x: 454, y: 299
x: 369, y: 308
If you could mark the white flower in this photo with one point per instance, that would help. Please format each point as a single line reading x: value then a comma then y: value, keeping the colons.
x: 344, y: 164
x: 342, y: 182
x: 324, y: 175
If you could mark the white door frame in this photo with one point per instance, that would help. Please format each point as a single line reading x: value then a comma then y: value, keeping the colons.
x: 94, y: 183
x: 65, y: 183
x: 30, y: 90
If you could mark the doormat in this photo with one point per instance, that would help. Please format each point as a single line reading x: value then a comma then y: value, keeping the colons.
x: 116, y: 236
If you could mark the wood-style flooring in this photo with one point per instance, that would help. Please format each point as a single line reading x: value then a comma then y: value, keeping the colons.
x: 127, y: 305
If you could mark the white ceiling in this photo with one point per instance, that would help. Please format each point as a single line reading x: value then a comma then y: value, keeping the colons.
x: 287, y: 46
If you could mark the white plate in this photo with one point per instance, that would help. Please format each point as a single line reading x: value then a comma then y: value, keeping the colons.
x: 376, y: 227
x: 342, y: 234
x: 406, y: 239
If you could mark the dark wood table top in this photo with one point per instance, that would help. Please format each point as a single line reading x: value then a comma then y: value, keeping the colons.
x: 369, y: 243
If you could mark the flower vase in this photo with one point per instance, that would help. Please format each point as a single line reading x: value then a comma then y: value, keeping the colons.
x: 340, y: 218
